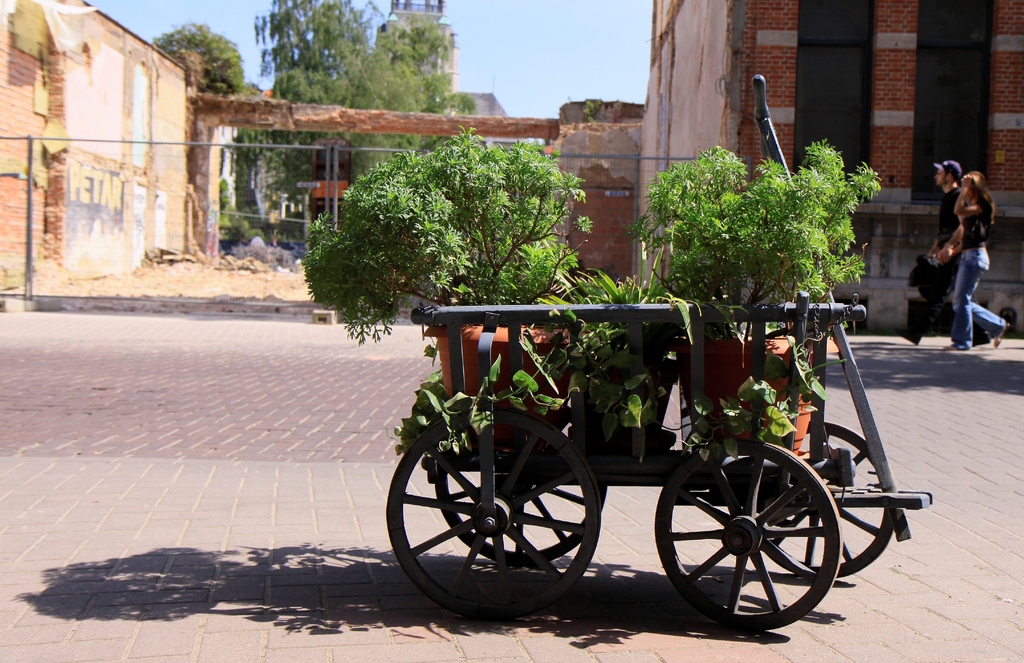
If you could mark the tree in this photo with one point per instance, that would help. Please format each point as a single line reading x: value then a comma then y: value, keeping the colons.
x: 194, y: 44
x: 328, y: 52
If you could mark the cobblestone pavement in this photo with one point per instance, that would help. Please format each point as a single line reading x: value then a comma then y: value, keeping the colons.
x: 212, y: 489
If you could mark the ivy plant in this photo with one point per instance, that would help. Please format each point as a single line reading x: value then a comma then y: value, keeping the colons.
x: 718, y: 434
x: 466, y: 415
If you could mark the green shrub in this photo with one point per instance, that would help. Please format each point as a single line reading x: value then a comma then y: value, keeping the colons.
x: 466, y: 224
x: 738, y: 242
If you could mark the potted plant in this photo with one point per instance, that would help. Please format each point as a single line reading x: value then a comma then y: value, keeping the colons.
x: 466, y: 224
x: 728, y: 241
x: 599, y: 356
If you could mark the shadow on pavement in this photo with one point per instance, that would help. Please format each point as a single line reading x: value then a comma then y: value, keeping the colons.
x: 321, y: 591
x: 888, y: 366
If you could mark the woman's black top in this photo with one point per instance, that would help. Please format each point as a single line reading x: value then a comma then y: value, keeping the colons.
x: 976, y: 227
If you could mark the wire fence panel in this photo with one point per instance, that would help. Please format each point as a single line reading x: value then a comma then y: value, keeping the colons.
x: 124, y: 219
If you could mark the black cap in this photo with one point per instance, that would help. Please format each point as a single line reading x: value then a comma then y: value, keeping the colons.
x: 951, y: 167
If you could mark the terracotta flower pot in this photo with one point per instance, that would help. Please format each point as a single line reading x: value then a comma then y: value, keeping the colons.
x: 726, y: 367
x: 499, y: 347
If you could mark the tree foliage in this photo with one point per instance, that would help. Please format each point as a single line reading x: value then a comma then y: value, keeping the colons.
x: 328, y: 52
x: 215, y: 54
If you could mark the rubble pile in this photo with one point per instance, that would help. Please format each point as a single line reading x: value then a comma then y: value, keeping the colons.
x: 249, y: 264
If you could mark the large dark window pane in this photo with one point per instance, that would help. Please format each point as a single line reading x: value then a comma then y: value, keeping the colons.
x: 835, y: 19
x: 830, y: 100
x: 947, y: 112
x: 952, y: 20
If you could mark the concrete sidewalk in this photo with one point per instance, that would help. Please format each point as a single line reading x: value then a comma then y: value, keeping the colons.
x: 210, y: 489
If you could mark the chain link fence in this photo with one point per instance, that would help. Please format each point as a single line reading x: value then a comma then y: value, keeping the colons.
x: 123, y: 219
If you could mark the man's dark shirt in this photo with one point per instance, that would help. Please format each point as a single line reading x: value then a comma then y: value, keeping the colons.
x: 948, y: 220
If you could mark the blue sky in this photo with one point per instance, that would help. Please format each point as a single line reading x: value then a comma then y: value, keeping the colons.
x: 533, y: 54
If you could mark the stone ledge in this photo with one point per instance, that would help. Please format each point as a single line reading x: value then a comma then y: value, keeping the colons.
x: 177, y: 305
x: 925, y: 209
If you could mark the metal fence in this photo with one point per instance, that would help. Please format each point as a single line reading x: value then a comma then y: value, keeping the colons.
x: 112, y: 218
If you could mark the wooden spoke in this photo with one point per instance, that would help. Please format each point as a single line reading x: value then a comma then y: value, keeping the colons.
x: 755, y: 485
x: 723, y: 485
x: 862, y: 524
x: 461, y: 528
x: 547, y: 514
x: 539, y: 559
x: 873, y: 529
x: 793, y: 532
x: 718, y: 515
x: 498, y: 542
x: 549, y: 523
x: 697, y: 573
x: 703, y: 535
x: 569, y: 497
x: 517, y: 468
x: 520, y: 500
x: 766, y: 581
x: 465, y: 483
x: 812, y: 542
x: 779, y: 504
x: 464, y: 508
x: 478, y: 543
x: 739, y: 575
x: 786, y: 561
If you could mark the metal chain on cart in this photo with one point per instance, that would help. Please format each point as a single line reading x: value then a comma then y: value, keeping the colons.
x: 817, y: 335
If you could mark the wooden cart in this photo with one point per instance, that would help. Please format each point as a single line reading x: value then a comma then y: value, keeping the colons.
x: 753, y: 541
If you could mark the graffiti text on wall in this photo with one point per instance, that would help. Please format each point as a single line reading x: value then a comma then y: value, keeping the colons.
x: 94, y: 196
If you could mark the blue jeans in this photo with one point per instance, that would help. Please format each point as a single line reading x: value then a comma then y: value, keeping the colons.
x: 967, y: 311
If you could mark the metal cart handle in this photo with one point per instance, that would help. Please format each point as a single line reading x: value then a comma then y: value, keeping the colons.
x: 770, y: 149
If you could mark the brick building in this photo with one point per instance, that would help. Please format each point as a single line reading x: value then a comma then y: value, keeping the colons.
x: 600, y: 142
x: 98, y: 203
x: 899, y: 84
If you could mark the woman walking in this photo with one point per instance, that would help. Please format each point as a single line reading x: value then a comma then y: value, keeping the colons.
x: 976, y: 210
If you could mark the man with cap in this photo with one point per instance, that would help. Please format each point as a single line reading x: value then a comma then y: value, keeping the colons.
x: 947, y: 178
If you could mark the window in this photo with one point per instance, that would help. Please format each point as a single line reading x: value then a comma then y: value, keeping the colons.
x: 951, y: 91
x: 833, y: 85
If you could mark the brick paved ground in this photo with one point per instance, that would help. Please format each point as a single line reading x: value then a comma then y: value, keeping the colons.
x: 209, y: 489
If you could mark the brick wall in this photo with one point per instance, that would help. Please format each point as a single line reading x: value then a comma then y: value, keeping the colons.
x: 1006, y: 100
x: 607, y: 247
x: 769, y: 49
x: 53, y: 229
x: 892, y: 95
x: 19, y: 72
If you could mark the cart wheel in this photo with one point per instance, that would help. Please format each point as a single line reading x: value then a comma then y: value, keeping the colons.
x: 515, y: 556
x: 866, y: 532
x: 722, y: 556
x: 429, y: 548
